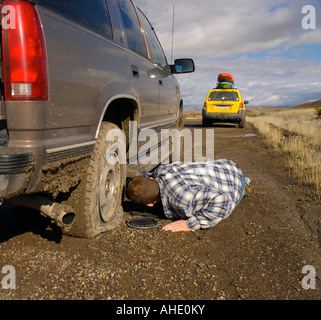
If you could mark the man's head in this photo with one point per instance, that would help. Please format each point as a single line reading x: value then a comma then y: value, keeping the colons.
x: 143, y: 191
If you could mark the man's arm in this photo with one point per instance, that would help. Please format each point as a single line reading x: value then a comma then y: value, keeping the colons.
x: 215, y: 210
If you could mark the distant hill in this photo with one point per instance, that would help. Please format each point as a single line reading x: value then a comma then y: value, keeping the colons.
x: 312, y: 104
x: 193, y: 108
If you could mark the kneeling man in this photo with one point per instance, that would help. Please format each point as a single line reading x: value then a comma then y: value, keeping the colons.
x: 196, y: 194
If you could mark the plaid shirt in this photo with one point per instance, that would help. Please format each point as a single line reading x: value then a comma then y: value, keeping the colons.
x: 204, y: 193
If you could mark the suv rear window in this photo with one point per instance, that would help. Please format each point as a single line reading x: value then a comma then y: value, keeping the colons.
x: 223, y: 96
x: 92, y: 14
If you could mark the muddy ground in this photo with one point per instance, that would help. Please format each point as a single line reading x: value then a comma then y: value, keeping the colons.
x: 257, y: 253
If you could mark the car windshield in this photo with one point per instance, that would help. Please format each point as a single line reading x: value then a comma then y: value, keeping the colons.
x: 223, y: 96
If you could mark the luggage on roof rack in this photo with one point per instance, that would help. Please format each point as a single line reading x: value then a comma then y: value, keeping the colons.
x: 225, y: 85
x: 225, y: 77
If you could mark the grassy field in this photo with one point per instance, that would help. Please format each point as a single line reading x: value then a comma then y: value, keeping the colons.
x: 296, y: 132
x: 193, y: 115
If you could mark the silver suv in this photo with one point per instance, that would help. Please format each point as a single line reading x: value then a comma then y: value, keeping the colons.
x: 72, y: 71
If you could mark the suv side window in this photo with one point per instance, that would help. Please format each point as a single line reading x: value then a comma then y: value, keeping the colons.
x: 156, y: 51
x: 135, y: 38
x: 92, y: 14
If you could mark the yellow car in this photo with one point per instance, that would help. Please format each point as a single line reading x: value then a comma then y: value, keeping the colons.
x: 224, y: 105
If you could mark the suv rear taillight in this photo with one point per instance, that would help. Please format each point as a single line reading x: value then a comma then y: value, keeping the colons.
x: 205, y: 104
x: 241, y: 105
x: 24, y: 54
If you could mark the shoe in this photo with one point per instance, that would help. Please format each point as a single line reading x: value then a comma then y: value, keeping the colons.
x: 247, y: 189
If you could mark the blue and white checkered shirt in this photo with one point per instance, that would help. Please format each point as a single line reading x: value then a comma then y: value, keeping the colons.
x: 203, y: 193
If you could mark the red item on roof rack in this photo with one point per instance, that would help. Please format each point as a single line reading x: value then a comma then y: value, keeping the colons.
x: 225, y: 77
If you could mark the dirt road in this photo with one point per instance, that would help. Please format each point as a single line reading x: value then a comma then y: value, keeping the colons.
x: 257, y: 253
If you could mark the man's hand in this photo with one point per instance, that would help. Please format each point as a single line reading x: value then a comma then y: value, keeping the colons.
x: 177, y: 226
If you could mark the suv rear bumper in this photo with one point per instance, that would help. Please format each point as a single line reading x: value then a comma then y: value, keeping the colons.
x: 14, y: 160
x: 224, y: 117
x: 15, y: 170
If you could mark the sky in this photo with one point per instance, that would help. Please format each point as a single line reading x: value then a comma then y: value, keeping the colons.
x: 275, y: 61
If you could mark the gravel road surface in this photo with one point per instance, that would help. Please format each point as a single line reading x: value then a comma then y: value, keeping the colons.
x: 257, y: 253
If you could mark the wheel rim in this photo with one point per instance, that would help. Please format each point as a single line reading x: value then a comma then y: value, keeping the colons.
x: 108, y: 188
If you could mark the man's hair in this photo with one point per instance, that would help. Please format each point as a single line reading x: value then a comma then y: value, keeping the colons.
x: 142, y: 190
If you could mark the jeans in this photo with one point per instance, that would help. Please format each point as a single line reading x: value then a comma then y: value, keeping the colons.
x: 245, y: 181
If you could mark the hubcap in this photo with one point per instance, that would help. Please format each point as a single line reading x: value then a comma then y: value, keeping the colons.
x: 108, y: 189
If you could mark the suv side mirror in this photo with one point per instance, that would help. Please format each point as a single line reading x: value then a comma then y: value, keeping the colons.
x: 246, y: 102
x: 182, y: 66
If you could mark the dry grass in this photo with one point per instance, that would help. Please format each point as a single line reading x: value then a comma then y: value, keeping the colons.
x: 296, y: 132
x: 193, y: 115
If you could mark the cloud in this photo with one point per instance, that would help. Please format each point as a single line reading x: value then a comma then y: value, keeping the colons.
x: 306, y: 38
x: 262, y: 43
x: 276, y: 81
x: 217, y: 29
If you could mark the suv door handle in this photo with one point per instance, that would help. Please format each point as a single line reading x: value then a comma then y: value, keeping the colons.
x: 135, y: 71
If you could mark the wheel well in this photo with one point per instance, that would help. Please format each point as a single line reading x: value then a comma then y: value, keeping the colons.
x: 120, y: 112
x: 181, y: 105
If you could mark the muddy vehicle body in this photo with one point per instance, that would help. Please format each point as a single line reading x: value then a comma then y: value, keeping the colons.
x: 71, y: 72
